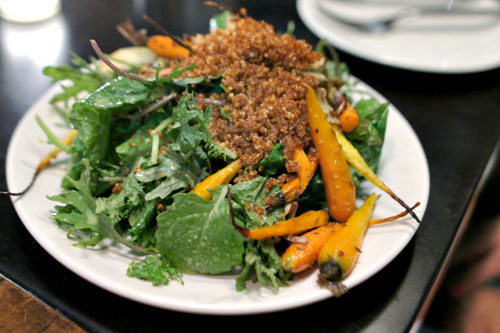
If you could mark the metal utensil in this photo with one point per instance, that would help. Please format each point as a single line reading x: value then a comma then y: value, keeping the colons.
x: 381, y: 24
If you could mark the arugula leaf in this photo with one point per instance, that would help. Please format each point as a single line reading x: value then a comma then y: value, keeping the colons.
x: 93, y: 126
x: 155, y: 269
x: 118, y: 93
x: 197, y: 235
x: 253, y: 193
x: 139, y: 144
x: 143, y: 226
x: 368, y: 137
x: 262, y: 261
x: 78, y: 214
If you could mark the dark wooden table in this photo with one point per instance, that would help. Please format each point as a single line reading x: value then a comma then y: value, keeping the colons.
x: 456, y: 117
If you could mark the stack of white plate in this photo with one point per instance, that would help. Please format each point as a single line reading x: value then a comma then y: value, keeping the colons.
x: 461, y: 36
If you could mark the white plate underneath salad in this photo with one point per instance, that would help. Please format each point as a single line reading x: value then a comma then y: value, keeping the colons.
x: 403, y: 167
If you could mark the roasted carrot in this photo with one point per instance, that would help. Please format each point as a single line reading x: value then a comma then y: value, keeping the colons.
x: 223, y: 176
x: 165, y: 46
x: 294, y: 188
x: 340, y: 252
x: 309, y: 220
x: 339, y: 188
x: 299, y: 257
x: 349, y: 118
x: 355, y: 159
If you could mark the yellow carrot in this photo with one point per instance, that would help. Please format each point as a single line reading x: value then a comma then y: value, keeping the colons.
x: 223, y: 176
x: 355, y: 159
x: 309, y: 220
x: 339, y: 188
x: 299, y: 257
x: 340, y: 253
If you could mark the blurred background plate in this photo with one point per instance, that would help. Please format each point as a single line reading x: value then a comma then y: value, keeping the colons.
x: 445, y: 43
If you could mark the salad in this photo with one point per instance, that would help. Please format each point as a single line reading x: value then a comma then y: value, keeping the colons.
x: 236, y: 152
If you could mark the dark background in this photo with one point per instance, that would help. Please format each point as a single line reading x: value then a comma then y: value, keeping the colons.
x: 455, y: 116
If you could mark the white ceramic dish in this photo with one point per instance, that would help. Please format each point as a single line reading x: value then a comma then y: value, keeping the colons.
x: 403, y: 167
x: 443, y: 43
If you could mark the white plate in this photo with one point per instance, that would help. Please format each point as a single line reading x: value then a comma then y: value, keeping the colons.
x: 403, y: 166
x: 434, y: 43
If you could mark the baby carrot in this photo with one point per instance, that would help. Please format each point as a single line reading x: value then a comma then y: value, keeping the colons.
x: 223, y: 176
x: 165, y: 46
x: 340, y: 253
x: 309, y: 220
x: 294, y: 188
x: 355, y: 159
x: 349, y: 119
x: 339, y: 188
x: 299, y: 257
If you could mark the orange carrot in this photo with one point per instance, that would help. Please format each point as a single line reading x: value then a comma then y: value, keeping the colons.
x: 223, y: 176
x: 340, y: 252
x: 299, y: 257
x: 340, y: 190
x: 309, y: 220
x: 349, y: 119
x: 165, y: 46
x: 294, y: 188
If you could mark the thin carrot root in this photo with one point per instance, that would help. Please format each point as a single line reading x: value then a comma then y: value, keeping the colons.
x: 44, y: 163
x: 392, y: 218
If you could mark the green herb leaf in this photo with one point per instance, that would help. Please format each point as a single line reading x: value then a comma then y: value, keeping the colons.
x: 155, y: 269
x: 273, y: 162
x: 262, y: 261
x: 197, y: 235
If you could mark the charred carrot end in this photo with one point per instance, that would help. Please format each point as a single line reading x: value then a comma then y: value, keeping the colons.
x: 392, y: 218
x: 309, y: 220
x: 299, y: 257
x: 223, y: 176
x: 165, y: 46
x: 340, y: 253
x: 339, y: 188
x: 355, y: 159
x: 294, y: 188
x: 349, y: 119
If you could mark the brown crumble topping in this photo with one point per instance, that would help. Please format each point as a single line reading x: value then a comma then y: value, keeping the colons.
x: 265, y: 93
x: 246, y: 176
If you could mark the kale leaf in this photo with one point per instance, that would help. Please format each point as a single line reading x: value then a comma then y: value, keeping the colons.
x: 197, y: 235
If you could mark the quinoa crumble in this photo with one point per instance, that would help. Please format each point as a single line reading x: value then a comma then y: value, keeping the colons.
x: 264, y: 88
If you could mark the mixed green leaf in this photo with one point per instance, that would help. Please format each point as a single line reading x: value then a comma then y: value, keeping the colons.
x: 135, y: 160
